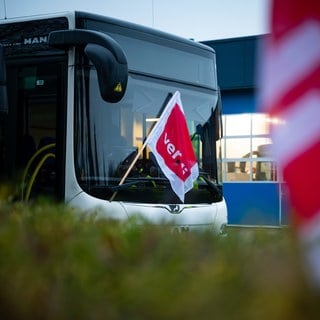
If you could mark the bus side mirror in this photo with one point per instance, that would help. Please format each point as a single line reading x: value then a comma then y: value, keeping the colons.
x: 112, y: 75
x: 106, y: 55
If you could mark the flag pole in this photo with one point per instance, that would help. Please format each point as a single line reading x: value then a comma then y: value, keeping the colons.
x: 129, y: 169
x: 167, y: 99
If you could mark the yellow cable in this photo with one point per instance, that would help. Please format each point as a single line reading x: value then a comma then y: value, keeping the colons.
x: 35, y: 173
x: 25, y: 172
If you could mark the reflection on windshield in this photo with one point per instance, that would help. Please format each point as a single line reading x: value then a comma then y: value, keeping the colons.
x: 108, y: 136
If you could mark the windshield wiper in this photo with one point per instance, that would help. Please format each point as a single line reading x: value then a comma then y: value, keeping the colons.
x: 134, y: 181
x: 211, y: 184
x: 131, y: 182
x: 140, y: 180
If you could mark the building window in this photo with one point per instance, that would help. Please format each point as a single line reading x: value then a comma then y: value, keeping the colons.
x: 245, y: 148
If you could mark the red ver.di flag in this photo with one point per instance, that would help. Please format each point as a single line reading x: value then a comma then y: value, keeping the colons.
x: 290, y: 83
x: 171, y: 145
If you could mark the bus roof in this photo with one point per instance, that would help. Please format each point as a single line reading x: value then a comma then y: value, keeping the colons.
x: 117, y: 23
x: 149, y: 51
x: 140, y: 28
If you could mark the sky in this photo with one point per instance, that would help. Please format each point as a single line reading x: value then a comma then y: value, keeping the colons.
x: 196, y: 19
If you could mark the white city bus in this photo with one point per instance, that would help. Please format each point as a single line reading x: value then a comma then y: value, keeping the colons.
x: 80, y: 93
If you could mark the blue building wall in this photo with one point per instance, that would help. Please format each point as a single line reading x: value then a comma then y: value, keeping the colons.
x: 240, y: 102
x: 252, y: 203
x: 249, y: 203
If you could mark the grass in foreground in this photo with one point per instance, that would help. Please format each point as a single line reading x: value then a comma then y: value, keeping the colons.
x: 57, y: 265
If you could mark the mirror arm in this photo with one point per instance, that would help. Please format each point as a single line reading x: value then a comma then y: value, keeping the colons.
x: 78, y: 37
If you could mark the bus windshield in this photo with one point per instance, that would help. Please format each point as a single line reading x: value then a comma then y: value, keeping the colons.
x: 108, y: 136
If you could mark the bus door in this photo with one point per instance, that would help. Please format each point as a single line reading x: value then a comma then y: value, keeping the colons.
x: 35, y: 130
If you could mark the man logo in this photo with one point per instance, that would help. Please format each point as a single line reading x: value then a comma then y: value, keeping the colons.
x: 35, y: 40
x: 174, y: 208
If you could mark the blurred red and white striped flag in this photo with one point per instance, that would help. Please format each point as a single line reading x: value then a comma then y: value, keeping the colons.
x: 170, y: 143
x: 290, y: 92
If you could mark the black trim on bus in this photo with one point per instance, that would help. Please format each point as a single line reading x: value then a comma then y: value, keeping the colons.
x: 30, y: 37
x: 177, y: 82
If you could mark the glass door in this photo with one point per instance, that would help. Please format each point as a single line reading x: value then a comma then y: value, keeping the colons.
x: 35, y: 125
